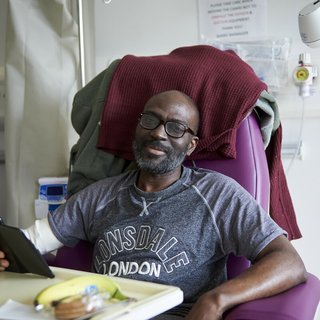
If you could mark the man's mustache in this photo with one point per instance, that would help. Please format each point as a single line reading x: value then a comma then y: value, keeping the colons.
x: 156, y: 145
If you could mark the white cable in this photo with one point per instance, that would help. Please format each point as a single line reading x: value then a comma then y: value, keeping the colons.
x: 299, y: 136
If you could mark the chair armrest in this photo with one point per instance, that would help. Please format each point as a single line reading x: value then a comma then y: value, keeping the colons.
x: 78, y: 257
x: 298, y: 303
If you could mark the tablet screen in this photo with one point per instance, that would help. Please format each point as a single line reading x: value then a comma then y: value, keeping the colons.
x: 21, y: 253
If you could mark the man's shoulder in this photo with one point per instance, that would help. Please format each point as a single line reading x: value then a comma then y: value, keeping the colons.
x: 204, y: 178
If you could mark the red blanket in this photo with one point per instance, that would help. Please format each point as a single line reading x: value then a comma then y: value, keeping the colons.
x: 225, y: 90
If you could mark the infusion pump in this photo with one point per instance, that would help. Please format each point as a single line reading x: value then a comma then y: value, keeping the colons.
x: 52, y: 193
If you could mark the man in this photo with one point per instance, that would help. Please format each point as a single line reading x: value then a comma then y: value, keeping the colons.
x: 170, y: 224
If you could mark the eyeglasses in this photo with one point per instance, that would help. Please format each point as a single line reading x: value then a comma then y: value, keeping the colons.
x: 173, y: 129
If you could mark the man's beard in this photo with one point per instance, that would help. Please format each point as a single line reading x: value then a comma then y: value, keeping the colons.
x: 173, y: 159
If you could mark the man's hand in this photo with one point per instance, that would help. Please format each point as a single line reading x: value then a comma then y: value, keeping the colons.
x: 277, y: 268
x: 4, y: 263
x: 206, y: 308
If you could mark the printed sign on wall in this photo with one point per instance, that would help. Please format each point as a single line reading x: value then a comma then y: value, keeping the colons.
x: 229, y: 20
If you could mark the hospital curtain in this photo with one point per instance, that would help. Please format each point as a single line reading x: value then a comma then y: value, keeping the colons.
x: 42, y: 63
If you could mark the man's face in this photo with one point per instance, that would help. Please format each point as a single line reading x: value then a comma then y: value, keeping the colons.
x: 155, y: 151
x: 156, y: 157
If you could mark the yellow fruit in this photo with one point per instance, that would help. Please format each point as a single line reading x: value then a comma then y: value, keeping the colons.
x: 77, y: 286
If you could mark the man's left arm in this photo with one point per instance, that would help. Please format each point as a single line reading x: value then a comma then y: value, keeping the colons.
x: 277, y: 267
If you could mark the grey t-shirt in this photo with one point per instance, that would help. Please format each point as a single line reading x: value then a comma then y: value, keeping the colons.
x: 179, y: 236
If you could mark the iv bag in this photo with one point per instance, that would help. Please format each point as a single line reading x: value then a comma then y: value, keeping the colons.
x: 268, y: 58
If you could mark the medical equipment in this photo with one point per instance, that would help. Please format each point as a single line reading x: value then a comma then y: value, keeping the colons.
x: 267, y: 57
x: 305, y: 74
x: 52, y: 193
x: 309, y: 24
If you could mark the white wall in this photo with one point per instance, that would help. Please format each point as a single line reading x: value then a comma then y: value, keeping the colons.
x: 143, y: 27
x: 148, y: 27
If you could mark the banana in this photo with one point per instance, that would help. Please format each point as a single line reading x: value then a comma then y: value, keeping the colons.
x: 75, y: 287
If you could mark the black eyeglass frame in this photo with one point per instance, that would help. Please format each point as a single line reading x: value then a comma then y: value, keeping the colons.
x: 164, y: 123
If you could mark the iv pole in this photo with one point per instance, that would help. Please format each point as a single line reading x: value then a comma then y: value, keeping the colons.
x: 81, y: 44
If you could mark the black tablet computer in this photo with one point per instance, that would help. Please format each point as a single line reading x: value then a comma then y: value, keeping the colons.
x: 23, y: 256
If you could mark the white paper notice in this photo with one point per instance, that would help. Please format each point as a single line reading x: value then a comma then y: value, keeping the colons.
x: 225, y: 19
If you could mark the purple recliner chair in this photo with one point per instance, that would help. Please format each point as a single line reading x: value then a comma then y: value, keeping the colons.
x: 250, y: 169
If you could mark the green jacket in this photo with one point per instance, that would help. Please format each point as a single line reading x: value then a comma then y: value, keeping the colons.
x: 87, y: 163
